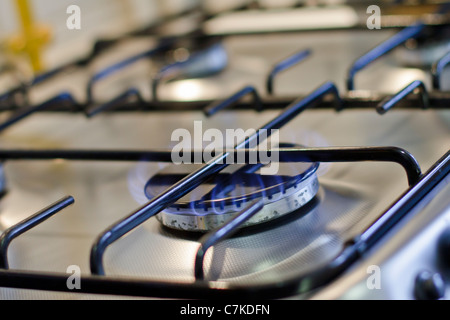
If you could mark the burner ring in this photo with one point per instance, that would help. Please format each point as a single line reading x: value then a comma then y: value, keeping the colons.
x: 281, y: 195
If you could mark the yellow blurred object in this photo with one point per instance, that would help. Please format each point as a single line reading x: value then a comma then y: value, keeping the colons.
x: 32, y: 38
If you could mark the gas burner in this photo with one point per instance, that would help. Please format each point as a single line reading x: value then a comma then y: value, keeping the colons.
x: 222, y: 197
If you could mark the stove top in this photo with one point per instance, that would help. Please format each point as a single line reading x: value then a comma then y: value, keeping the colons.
x: 355, y: 189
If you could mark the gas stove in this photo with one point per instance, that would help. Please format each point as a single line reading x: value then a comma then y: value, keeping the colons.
x: 239, y: 159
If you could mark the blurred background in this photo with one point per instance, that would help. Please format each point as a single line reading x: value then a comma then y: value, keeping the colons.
x: 99, y: 19
x: 104, y: 18
x: 34, y: 37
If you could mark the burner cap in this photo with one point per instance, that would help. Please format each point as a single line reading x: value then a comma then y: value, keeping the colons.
x: 216, y: 201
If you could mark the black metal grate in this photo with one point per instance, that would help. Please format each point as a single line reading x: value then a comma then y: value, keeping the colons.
x: 419, y: 184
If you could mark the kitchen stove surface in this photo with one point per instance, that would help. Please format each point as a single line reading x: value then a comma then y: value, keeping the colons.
x: 346, y: 196
x: 350, y: 198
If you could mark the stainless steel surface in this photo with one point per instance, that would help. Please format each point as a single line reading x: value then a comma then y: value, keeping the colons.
x: 349, y: 199
x: 412, y: 247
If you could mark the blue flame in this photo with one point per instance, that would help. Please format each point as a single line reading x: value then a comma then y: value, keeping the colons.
x: 138, y: 177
